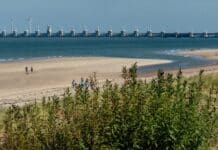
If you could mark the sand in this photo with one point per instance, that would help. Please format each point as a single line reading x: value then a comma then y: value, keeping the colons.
x: 54, y: 75
x: 211, y: 54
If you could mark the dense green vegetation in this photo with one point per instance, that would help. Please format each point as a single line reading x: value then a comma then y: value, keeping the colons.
x: 166, y: 113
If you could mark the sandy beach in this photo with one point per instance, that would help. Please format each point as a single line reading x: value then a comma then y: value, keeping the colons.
x: 54, y: 75
x: 205, y: 53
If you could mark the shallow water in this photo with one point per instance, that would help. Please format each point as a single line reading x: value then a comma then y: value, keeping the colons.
x: 154, y: 48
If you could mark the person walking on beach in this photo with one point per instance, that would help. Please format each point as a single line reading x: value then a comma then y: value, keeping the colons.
x: 31, y: 69
x: 26, y: 69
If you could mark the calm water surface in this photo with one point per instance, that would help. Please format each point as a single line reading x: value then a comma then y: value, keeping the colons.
x: 155, y: 48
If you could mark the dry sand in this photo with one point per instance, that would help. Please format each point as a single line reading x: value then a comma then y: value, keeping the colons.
x: 205, y: 53
x: 53, y: 76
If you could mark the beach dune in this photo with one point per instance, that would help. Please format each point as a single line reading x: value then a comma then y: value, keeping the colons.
x: 54, y: 75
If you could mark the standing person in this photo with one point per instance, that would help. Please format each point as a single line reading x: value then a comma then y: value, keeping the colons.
x: 26, y: 69
x: 82, y: 82
x: 31, y: 69
x: 87, y: 83
x: 73, y: 83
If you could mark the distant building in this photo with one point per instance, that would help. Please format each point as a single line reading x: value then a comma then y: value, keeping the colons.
x: 37, y: 33
x: 205, y: 34
x: 14, y: 33
x: 4, y: 33
x: 97, y: 33
x: 136, y: 33
x: 123, y: 33
x: 26, y: 33
x: 61, y: 33
x: 162, y: 34
x: 177, y: 34
x: 72, y: 33
x: 110, y: 33
x: 149, y: 33
x: 191, y: 34
x: 85, y: 33
x: 49, y: 31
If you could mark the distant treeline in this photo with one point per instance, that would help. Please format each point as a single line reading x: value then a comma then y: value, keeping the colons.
x: 166, y: 113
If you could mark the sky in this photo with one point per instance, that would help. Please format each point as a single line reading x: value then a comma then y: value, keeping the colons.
x: 167, y: 15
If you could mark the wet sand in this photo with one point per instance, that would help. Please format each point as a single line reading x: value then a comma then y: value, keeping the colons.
x: 211, y: 54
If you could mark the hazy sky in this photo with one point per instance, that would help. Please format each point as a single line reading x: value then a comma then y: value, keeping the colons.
x: 170, y: 15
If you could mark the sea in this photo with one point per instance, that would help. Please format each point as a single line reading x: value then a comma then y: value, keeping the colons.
x: 13, y: 49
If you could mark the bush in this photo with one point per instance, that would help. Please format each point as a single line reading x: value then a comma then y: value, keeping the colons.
x: 166, y: 113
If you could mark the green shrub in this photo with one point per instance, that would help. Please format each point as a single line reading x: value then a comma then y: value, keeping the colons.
x: 167, y: 113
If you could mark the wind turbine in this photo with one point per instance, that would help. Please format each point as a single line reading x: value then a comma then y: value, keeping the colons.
x: 38, y: 28
x: 136, y: 32
x: 4, y: 32
x: 12, y: 25
x: 84, y: 31
x: 123, y: 32
x: 72, y: 32
x: 205, y: 34
x: 191, y: 34
x: 162, y: 29
x: 149, y: 32
x: 162, y: 32
x: 62, y: 31
x: 136, y: 29
x: 30, y: 24
x: 98, y: 31
x: 110, y: 32
x: 177, y: 33
x: 73, y: 28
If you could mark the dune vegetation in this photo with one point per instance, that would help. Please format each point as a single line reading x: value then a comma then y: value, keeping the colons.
x: 170, y: 112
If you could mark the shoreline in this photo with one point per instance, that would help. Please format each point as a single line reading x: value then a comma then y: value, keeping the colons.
x: 209, y: 54
x: 53, y: 75
x: 17, y: 60
x: 187, y: 71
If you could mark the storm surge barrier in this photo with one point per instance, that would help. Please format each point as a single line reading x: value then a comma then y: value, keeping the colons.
x: 110, y: 33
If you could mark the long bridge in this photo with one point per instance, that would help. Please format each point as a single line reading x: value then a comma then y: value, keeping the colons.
x: 97, y: 33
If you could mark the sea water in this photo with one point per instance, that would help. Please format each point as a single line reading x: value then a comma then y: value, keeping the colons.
x: 151, y: 48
